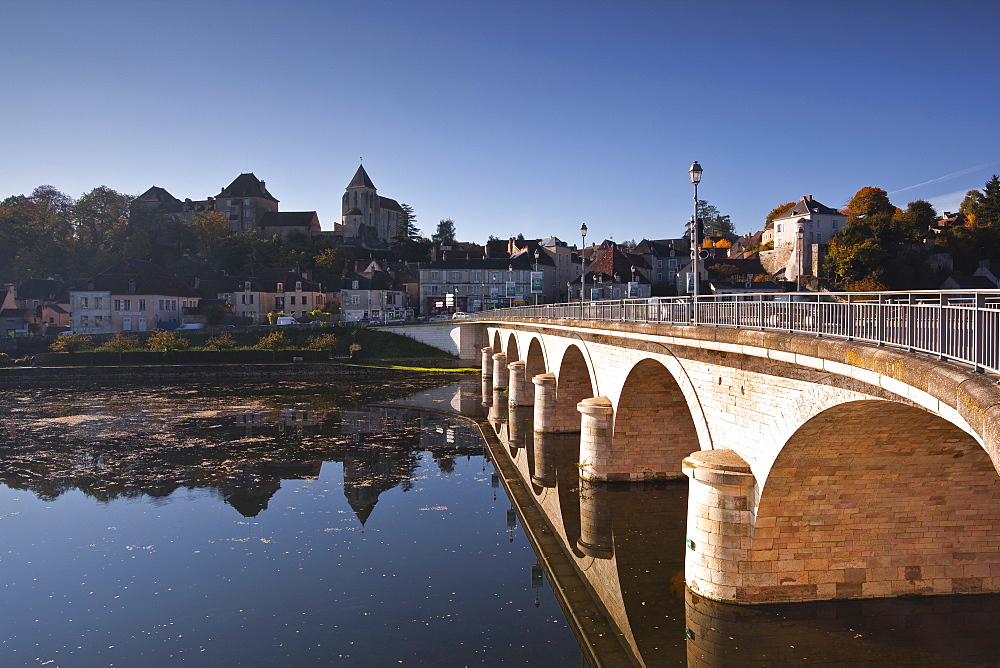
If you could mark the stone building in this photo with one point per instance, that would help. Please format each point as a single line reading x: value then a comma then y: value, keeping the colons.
x: 368, y: 219
x: 800, y: 238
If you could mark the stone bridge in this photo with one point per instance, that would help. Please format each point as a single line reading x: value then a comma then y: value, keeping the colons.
x: 819, y: 468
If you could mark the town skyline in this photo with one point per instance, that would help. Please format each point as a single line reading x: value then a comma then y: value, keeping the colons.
x: 523, y: 118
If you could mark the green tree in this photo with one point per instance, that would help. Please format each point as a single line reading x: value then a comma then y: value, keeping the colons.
x: 716, y: 223
x: 101, y: 220
x: 445, y: 235
x: 406, y: 226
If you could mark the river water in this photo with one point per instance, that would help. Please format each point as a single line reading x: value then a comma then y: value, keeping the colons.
x: 297, y: 524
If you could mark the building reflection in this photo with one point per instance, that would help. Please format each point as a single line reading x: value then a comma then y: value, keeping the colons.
x: 243, y: 448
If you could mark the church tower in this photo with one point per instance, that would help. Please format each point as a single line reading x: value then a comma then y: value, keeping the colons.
x: 366, y: 216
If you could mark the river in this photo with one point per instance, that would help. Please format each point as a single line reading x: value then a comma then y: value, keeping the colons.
x: 371, y: 524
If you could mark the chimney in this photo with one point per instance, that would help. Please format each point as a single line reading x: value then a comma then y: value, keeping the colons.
x: 807, y: 198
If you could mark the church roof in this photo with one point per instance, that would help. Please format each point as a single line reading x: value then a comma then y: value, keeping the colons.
x: 247, y: 185
x: 361, y: 179
x: 288, y: 219
x: 391, y: 204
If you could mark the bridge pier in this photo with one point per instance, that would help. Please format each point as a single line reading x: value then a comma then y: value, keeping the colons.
x: 596, y: 537
x: 500, y: 371
x: 518, y: 395
x: 545, y: 402
x: 596, y: 432
x: 487, y: 362
x: 718, y: 524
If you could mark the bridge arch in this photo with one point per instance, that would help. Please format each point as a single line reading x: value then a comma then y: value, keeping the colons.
x: 513, y: 354
x: 496, y: 341
x: 653, y: 428
x: 574, y: 383
x: 872, y: 499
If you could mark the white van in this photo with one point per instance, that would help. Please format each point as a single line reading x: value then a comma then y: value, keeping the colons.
x: 286, y: 320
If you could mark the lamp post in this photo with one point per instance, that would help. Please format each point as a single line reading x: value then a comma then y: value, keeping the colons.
x: 510, y: 279
x: 799, y: 252
x: 536, y: 271
x: 632, y: 280
x: 695, y: 173
x: 583, y: 264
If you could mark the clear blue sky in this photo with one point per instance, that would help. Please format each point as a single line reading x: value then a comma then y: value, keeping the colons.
x: 506, y: 116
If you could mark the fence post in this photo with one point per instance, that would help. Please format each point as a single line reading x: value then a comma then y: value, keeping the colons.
x: 977, y: 333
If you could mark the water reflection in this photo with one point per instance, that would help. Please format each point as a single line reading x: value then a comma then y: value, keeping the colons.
x: 625, y: 544
x: 365, y: 531
x: 239, y: 445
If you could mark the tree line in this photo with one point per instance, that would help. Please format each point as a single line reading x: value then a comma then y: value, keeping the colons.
x: 885, y: 247
x: 48, y: 233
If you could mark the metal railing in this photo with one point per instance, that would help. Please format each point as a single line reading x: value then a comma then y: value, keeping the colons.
x: 959, y: 326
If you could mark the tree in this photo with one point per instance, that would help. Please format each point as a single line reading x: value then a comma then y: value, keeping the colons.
x: 406, y: 226
x: 100, y: 221
x: 914, y: 222
x: 120, y: 343
x: 716, y: 224
x: 325, y: 342
x: 983, y: 207
x: 163, y: 342
x: 445, y: 235
x: 224, y: 341
x: 70, y: 343
x: 777, y: 212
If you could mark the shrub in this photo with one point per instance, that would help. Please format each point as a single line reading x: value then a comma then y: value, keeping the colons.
x: 120, y: 343
x: 273, y: 342
x: 322, y: 342
x: 161, y: 341
x: 355, y: 349
x: 224, y: 341
x: 70, y: 343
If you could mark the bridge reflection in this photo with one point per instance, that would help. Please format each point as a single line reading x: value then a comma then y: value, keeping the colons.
x: 614, y: 555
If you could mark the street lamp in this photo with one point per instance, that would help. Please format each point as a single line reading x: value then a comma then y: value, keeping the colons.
x: 536, y: 272
x: 510, y: 279
x: 799, y: 252
x: 583, y: 263
x: 695, y: 173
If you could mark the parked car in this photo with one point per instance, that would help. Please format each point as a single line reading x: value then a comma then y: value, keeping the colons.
x: 459, y: 315
x: 192, y: 325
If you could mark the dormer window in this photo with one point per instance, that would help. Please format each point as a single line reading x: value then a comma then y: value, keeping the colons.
x: 281, y: 287
x: 298, y: 286
x: 246, y: 286
x: 131, y: 287
x: 354, y: 285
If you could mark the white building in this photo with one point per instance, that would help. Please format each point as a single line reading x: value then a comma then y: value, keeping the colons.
x: 803, y: 232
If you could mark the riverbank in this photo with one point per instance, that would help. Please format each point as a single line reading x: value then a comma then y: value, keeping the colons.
x: 18, y: 377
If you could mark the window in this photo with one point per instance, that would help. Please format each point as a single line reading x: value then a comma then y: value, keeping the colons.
x: 455, y: 276
x: 434, y: 290
x: 127, y: 304
x: 98, y: 321
x: 434, y: 276
x: 354, y: 285
x: 298, y: 286
x: 246, y: 286
x: 779, y: 228
x: 131, y: 287
x: 291, y: 300
x: 246, y: 202
x: 305, y: 299
x: 84, y: 321
x: 355, y: 299
x: 142, y: 304
x: 477, y: 277
x: 118, y: 305
x: 281, y: 287
x: 98, y: 302
x: 84, y: 301
x: 659, y: 264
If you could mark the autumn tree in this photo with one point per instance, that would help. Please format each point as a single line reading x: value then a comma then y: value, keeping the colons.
x: 777, y: 212
x: 716, y: 223
x: 161, y: 341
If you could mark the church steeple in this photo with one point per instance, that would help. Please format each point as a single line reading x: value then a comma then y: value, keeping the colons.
x: 361, y: 179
